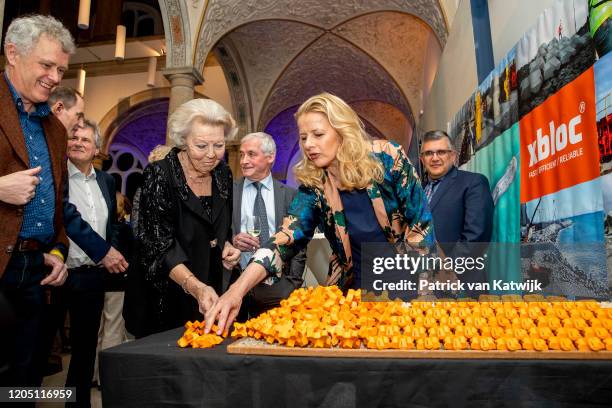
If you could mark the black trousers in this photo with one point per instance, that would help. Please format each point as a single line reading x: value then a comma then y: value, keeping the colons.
x: 20, y: 286
x: 265, y: 297
x: 83, y: 296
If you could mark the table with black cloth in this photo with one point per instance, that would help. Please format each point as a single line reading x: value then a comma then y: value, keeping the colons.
x: 155, y: 372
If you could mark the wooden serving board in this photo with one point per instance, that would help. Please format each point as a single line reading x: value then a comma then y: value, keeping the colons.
x: 260, y: 347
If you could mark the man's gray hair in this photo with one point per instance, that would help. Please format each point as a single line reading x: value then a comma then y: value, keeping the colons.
x: 90, y: 124
x: 205, y: 111
x: 268, y: 147
x: 25, y: 32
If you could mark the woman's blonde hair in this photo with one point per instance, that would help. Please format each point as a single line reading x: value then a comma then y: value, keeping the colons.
x: 159, y: 152
x: 357, y: 166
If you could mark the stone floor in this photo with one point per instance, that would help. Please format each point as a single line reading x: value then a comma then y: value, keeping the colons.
x: 59, y: 379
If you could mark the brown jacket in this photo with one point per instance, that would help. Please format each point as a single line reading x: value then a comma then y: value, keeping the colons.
x: 14, y: 157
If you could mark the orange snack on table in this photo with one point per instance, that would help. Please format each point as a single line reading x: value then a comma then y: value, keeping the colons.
x: 432, y: 343
x: 527, y: 343
x: 554, y: 343
x: 500, y: 344
x: 460, y: 343
x: 595, y: 343
x: 513, y: 344
x: 608, y: 343
x: 539, y: 344
x: 566, y: 344
x: 544, y: 332
x: 406, y: 343
x: 480, y: 322
x: 602, y: 333
x: 573, y: 334
x: 561, y: 313
x: 487, y: 343
x: 194, y: 336
x: 527, y: 323
x: 579, y: 323
x: 581, y: 344
x: 497, y: 332
x: 595, y: 322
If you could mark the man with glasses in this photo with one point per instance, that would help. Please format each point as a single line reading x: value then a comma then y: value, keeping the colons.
x: 460, y: 201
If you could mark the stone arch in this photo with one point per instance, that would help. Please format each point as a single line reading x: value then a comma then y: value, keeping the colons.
x: 128, y: 108
x: 178, y: 34
x: 229, y: 60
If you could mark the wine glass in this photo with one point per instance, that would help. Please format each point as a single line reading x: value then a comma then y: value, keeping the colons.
x: 253, y: 226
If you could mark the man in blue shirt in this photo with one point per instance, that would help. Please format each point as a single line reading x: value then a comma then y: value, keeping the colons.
x: 258, y: 194
x: 33, y: 243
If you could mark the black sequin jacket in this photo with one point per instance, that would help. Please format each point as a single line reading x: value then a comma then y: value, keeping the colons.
x: 174, y: 227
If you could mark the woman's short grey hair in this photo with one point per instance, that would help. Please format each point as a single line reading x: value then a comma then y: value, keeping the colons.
x: 90, y: 124
x: 205, y: 111
x: 268, y: 147
x: 25, y: 32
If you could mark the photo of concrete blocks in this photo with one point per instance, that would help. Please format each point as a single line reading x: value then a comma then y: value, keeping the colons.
x: 556, y: 64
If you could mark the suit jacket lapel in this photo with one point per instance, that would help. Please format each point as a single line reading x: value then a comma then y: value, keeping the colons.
x: 444, y: 186
x: 104, y: 189
x: 279, y: 200
x: 9, y: 121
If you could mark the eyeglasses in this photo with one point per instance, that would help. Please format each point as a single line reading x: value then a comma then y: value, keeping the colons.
x: 440, y: 153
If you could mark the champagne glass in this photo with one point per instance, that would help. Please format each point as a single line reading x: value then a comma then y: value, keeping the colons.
x: 253, y: 226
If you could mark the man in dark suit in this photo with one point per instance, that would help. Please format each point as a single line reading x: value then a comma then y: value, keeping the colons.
x: 257, y: 193
x: 91, y: 220
x: 33, y: 242
x: 460, y: 202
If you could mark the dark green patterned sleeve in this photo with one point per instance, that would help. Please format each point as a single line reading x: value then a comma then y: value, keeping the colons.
x: 296, y: 231
x: 412, y: 203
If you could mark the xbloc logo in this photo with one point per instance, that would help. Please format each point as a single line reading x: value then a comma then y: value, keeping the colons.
x: 559, y: 140
x: 556, y: 140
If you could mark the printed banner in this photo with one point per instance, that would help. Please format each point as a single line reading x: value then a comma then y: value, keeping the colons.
x: 550, y: 171
x: 559, y: 141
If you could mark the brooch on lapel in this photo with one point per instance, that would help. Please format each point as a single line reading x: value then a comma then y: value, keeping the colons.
x: 213, y: 243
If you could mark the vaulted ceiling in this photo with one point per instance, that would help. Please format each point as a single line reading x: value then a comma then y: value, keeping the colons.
x: 277, y: 53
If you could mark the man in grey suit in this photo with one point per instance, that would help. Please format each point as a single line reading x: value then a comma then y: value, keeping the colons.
x: 257, y: 193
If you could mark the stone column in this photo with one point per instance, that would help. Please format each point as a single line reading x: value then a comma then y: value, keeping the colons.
x: 182, y: 83
x: 1, y: 20
x: 232, y: 148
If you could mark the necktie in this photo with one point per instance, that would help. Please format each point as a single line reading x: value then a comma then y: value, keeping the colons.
x: 429, y: 189
x: 259, y: 210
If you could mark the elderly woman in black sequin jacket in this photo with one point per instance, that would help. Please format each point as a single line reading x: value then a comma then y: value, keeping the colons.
x: 185, y: 217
